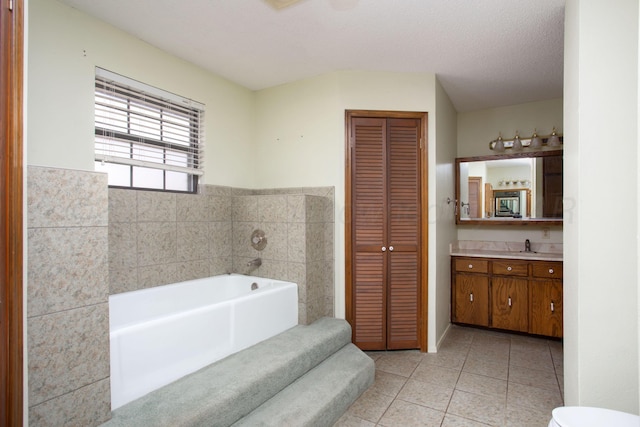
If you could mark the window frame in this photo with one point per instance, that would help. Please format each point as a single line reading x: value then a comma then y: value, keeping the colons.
x: 132, y: 94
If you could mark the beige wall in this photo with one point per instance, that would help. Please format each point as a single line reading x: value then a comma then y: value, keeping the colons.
x: 442, y: 229
x: 66, y: 45
x: 601, y: 356
x: 300, y: 134
x: 287, y: 136
x: 477, y: 128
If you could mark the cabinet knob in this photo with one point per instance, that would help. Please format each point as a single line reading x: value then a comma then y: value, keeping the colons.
x: 509, y: 301
x: 471, y: 297
x: 470, y: 265
x: 391, y: 248
x: 509, y: 268
x: 552, y: 307
x: 384, y: 248
x: 551, y: 271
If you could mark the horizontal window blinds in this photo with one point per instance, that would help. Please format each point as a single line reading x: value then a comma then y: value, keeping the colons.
x: 140, y: 125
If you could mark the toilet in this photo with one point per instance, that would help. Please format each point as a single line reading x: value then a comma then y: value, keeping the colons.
x: 584, y: 416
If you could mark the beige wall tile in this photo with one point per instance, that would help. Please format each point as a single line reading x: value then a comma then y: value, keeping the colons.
x: 219, y: 208
x: 190, y: 270
x: 123, y: 280
x: 192, y: 241
x: 192, y: 207
x: 245, y: 208
x: 297, y: 244
x: 156, y: 275
x: 157, y: 243
x: 68, y: 268
x: 66, y: 198
x: 123, y: 245
x: 123, y: 205
x: 296, y: 208
x: 242, y: 239
x: 276, y: 234
x: 272, y: 208
x: 156, y: 206
x: 220, y: 265
x: 315, y: 241
x: 67, y: 350
x: 88, y: 405
x: 220, y: 239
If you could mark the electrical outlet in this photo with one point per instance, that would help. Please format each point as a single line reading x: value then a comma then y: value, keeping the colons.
x: 546, y: 233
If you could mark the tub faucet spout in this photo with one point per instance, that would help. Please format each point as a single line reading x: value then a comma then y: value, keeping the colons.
x: 527, y: 246
x: 257, y: 262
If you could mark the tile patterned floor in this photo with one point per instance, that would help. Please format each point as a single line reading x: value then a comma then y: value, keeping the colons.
x: 478, y: 378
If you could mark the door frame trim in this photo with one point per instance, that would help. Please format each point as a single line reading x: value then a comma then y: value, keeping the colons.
x: 424, y: 212
x: 11, y: 213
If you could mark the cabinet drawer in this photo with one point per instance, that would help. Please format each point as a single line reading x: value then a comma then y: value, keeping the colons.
x: 511, y: 268
x: 547, y: 269
x: 474, y: 265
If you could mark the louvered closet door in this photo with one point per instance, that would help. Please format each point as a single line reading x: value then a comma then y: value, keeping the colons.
x: 369, y: 233
x: 385, y: 232
x: 403, y: 232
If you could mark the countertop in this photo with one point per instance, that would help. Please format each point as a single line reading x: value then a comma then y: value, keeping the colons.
x: 506, y: 250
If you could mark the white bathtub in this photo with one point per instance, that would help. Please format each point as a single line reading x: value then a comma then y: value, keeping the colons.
x: 160, y: 334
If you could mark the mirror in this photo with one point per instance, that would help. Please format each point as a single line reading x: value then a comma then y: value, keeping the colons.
x: 510, y: 189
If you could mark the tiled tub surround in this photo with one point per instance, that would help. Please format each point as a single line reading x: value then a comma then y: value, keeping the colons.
x: 160, y: 238
x: 86, y: 241
x: 67, y: 294
x: 299, y: 232
x: 512, y: 250
x: 157, y: 238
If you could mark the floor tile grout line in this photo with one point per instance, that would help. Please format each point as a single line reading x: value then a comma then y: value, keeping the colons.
x: 463, y: 348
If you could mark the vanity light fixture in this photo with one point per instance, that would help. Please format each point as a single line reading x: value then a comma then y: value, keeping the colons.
x: 536, y: 142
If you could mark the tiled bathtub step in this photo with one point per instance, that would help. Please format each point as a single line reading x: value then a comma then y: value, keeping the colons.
x: 321, y: 396
x: 223, y: 392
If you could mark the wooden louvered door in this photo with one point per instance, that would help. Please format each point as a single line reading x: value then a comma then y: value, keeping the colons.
x: 385, y: 238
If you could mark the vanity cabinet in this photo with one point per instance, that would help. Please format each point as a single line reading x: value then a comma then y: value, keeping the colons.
x: 510, y: 295
x: 471, y: 290
x: 545, y: 295
x: 515, y: 295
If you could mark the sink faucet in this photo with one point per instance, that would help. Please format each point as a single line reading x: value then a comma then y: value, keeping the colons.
x: 527, y: 246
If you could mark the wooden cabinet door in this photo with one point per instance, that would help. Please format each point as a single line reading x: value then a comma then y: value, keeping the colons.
x: 385, y: 232
x: 471, y: 299
x: 545, y: 307
x: 510, y: 303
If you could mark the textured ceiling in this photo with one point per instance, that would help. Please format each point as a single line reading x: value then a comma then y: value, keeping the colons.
x: 486, y: 53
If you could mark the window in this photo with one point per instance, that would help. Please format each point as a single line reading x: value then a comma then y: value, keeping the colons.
x: 146, y: 137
